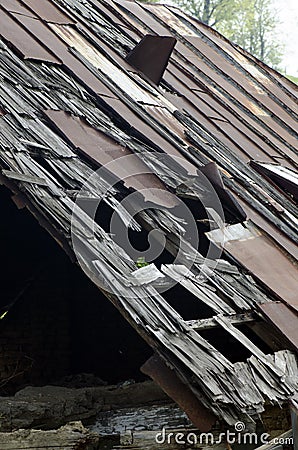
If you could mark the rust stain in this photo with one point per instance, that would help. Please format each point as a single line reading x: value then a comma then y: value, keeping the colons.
x: 47, y: 11
x: 151, y: 56
x: 269, y: 264
x: 16, y: 7
x: 22, y: 41
x: 167, y: 379
x: 105, y: 151
x: 282, y: 318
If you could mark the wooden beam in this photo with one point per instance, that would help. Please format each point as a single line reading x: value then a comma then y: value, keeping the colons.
x: 235, y: 319
x: 181, y: 393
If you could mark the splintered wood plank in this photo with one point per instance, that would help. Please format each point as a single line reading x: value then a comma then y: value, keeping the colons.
x: 69, y: 437
x: 26, y: 178
x: 237, y: 334
x: 236, y: 319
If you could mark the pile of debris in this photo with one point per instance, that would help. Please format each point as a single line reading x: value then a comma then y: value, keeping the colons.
x: 130, y: 416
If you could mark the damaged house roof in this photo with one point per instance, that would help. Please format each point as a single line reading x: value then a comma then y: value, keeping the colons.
x: 179, y: 121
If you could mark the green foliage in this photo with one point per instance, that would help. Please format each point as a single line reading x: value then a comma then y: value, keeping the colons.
x: 141, y: 262
x: 211, y: 12
x: 249, y: 23
x: 294, y: 79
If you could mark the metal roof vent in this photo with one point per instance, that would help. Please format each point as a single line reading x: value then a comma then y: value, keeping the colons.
x: 151, y: 56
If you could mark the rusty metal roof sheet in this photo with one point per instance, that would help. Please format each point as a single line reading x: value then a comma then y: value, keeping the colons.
x: 151, y: 56
x: 262, y: 258
x: 22, y: 41
x: 170, y: 383
x: 235, y: 98
x: 85, y: 106
x: 283, y: 318
x: 48, y: 11
x: 16, y: 7
x: 104, y: 151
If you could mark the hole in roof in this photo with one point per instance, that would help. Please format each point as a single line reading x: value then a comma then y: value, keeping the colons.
x: 226, y: 344
x: 66, y: 182
x: 257, y: 340
x: 135, y: 243
x: 186, y: 304
x: 285, y: 178
x: 61, y: 322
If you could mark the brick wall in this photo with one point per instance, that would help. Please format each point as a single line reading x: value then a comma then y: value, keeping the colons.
x: 61, y: 324
x: 35, y: 334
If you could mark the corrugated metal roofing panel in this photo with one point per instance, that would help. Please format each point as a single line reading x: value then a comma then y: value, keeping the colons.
x: 22, y: 41
x: 251, y: 127
x: 151, y: 56
x: 166, y: 378
x: 270, y: 229
x: 242, y: 136
x: 236, y: 138
x: 43, y: 33
x: 147, y: 21
x: 249, y: 117
x: 257, y: 144
x: 100, y: 62
x: 251, y: 88
x: 259, y: 71
x: 260, y: 75
x: 249, y: 143
x: 225, y: 74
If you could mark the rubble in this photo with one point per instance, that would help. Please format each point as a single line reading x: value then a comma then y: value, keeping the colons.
x: 73, y: 436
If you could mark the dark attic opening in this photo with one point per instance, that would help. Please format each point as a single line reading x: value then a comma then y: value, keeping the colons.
x: 54, y: 322
x: 56, y: 325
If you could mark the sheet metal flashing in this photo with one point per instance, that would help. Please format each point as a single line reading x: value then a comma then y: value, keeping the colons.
x: 151, y: 56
